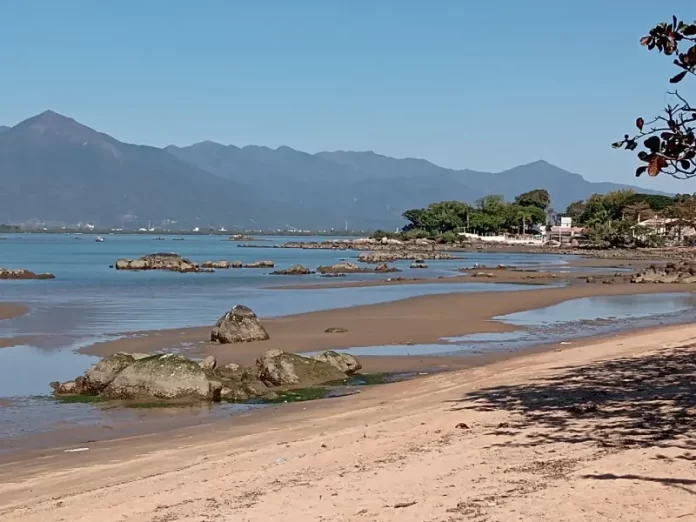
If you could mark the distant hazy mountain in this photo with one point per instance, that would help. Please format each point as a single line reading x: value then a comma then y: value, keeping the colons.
x: 55, y: 170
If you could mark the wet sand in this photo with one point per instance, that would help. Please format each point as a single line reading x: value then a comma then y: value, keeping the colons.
x: 418, y: 320
x: 12, y: 310
x: 588, y: 433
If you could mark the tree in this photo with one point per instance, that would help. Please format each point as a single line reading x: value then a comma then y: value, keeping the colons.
x: 669, y: 140
x: 638, y: 211
x: 576, y: 210
x: 534, y: 198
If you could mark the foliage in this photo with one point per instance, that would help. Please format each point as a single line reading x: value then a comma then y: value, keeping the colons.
x: 668, y: 140
x: 534, y: 198
x: 656, y: 202
x: 576, y: 210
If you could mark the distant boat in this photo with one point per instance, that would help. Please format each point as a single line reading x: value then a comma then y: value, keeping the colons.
x: 99, y: 239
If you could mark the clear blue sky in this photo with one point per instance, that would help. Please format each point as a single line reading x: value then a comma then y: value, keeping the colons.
x: 482, y: 85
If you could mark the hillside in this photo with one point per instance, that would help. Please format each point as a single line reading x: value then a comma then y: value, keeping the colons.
x: 58, y: 171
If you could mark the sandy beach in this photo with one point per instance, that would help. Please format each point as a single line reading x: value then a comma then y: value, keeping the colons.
x: 599, y: 432
x: 12, y: 310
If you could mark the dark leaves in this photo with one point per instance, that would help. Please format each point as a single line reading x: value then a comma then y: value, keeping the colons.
x: 653, y: 143
x: 685, y: 164
x: 641, y: 170
x: 689, y: 30
x: 679, y: 77
x: 640, y: 122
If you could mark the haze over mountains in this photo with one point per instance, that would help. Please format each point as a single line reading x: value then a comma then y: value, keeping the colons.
x: 58, y: 171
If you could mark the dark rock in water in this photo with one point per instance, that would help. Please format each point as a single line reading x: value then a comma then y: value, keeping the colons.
x: 483, y: 274
x: 237, y: 264
x: 239, y: 325
x: 260, y: 264
x: 344, y: 362
x: 333, y: 275
x: 65, y: 388
x: 682, y: 272
x: 294, y: 270
x: 161, y: 261
x: 206, y: 270
x: 335, y: 330
x: 278, y: 368
x: 385, y: 268
x: 163, y: 377
x: 22, y: 273
x: 419, y: 264
x: 222, y: 264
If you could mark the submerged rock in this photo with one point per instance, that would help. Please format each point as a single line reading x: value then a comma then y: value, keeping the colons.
x: 344, y: 362
x: 237, y: 264
x: 385, y: 268
x: 22, y: 273
x: 222, y: 264
x: 239, y: 325
x: 294, y: 270
x: 278, y: 368
x: 343, y: 267
x: 163, y: 377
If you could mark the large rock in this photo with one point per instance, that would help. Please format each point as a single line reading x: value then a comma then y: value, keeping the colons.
x: 278, y: 368
x: 163, y: 377
x: 344, y: 362
x: 682, y: 272
x: 104, y: 372
x: 384, y: 268
x: 208, y: 364
x: 239, y: 325
x: 294, y: 270
x: 161, y: 261
x: 22, y: 273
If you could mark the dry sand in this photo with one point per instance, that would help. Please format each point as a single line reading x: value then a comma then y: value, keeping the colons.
x: 12, y: 310
x: 602, y: 432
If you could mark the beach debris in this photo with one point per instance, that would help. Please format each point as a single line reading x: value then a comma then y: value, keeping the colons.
x: 239, y: 325
x: 76, y: 450
x: 400, y: 505
x: 260, y: 264
x: 462, y: 426
x: 279, y: 368
x: 208, y: 364
x: 335, y: 329
x: 294, y: 270
x: 345, y: 362
x: 222, y: 264
x: 22, y: 273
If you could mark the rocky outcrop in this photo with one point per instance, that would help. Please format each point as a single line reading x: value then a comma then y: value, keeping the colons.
x: 681, y: 272
x: 208, y: 364
x: 278, y: 368
x: 343, y: 267
x: 161, y: 261
x: 22, y: 273
x: 237, y: 264
x: 384, y: 268
x: 222, y: 264
x: 239, y: 325
x: 393, y: 255
x: 99, y: 376
x: 260, y: 264
x: 343, y: 362
x: 163, y: 377
x: 294, y: 270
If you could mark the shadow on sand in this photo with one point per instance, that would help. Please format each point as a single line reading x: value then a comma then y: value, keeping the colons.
x: 637, y: 402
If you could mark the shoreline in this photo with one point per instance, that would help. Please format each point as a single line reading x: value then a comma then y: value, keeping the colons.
x: 12, y: 310
x: 416, y: 320
x: 328, y: 458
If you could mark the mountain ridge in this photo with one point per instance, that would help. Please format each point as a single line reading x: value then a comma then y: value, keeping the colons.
x: 57, y: 170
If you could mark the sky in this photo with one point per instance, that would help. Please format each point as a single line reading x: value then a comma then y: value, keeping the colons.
x: 480, y: 85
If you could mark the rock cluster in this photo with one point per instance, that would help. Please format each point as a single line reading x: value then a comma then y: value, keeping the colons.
x: 393, y: 255
x: 22, y: 273
x: 172, y: 377
x: 239, y: 325
x: 160, y: 261
x: 681, y: 272
x: 260, y: 264
x: 343, y: 267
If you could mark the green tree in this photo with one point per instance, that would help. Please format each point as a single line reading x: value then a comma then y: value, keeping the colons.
x: 534, y: 198
x: 576, y: 211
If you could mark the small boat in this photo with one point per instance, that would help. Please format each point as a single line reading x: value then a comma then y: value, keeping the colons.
x: 99, y: 239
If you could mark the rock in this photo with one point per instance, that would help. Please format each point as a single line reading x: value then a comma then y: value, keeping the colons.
x: 343, y: 267
x: 590, y: 279
x: 222, y: 264
x: 333, y: 275
x: 260, y: 264
x: 163, y: 377
x: 233, y: 394
x: 104, y: 372
x: 138, y: 356
x: 385, y: 268
x: 160, y: 261
x: 294, y: 270
x: 206, y: 270
x: 65, y: 388
x: 256, y: 388
x: 682, y: 272
x: 277, y: 368
x: 239, y: 325
x: 418, y: 264
x: 237, y: 264
x: 22, y: 273
x: 335, y: 329
x: 232, y: 367
x: 208, y: 364
x: 271, y: 396
x: 344, y: 362
x: 483, y: 274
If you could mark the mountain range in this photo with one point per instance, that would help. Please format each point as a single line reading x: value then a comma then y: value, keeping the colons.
x: 55, y: 170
